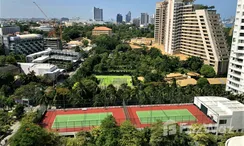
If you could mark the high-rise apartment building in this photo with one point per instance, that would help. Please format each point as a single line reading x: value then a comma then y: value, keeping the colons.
x: 152, y: 19
x: 192, y: 30
x: 98, y: 14
x: 128, y: 17
x: 235, y: 79
x: 136, y: 22
x: 119, y: 18
x: 144, y: 18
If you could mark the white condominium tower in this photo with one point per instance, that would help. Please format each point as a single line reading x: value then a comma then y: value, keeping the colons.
x: 192, y: 30
x: 235, y: 81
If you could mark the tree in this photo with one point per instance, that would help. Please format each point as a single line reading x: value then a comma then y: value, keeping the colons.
x: 194, y: 63
x: 11, y: 60
x: 2, y: 60
x: 19, y: 111
x: 202, y: 82
x: 207, y: 71
x: 85, y: 42
x: 32, y: 91
x: 123, y: 47
x: 109, y: 135
x: 4, y: 122
x: 199, y: 134
x: 2, y: 51
x: 129, y: 135
x: 30, y: 134
x: 77, y: 49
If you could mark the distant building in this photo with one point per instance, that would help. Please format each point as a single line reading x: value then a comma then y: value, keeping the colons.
x: 98, y: 14
x: 101, y: 30
x: 144, y: 19
x: 9, y: 30
x: 136, y: 22
x: 128, y: 17
x: 49, y: 70
x: 119, y: 18
x: 152, y: 19
x: 53, y: 43
x: 193, y: 31
x: 235, y: 76
x: 23, y: 44
x: 64, y: 19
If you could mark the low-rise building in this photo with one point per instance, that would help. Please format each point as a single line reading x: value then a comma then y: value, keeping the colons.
x: 102, y: 30
x: 49, y: 70
x: 52, y: 54
x: 227, y: 114
x: 23, y: 44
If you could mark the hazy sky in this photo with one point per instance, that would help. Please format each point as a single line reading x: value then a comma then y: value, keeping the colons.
x: 84, y: 8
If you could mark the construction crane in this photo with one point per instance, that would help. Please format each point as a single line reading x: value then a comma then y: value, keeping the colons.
x: 52, y: 33
x: 40, y: 9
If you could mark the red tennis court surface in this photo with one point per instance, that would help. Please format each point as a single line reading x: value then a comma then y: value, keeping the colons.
x: 50, y: 116
x: 119, y: 115
x: 199, y: 115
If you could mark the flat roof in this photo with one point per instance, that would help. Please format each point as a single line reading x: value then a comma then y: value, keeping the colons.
x: 221, y: 105
x: 186, y: 82
x: 215, y: 81
x: 172, y: 75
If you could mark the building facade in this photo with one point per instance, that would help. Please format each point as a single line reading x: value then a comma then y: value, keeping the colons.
x: 101, y: 30
x: 9, y: 30
x: 98, y: 14
x: 235, y: 79
x: 144, y: 19
x: 193, y: 31
x: 119, y: 18
x: 227, y: 114
x: 128, y: 17
x: 23, y: 44
x: 54, y: 43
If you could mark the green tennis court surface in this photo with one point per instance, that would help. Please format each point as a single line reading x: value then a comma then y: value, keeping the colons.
x: 115, y: 80
x: 147, y: 117
x: 79, y: 120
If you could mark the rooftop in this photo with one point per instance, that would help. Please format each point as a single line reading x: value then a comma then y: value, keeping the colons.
x: 102, y: 28
x: 215, y: 81
x: 173, y: 75
x: 221, y: 105
x: 186, y: 82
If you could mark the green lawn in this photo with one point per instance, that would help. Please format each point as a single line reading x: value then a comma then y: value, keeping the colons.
x: 147, y: 117
x: 115, y: 80
x: 79, y: 120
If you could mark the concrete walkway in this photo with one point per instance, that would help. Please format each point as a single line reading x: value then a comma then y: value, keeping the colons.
x: 15, y: 128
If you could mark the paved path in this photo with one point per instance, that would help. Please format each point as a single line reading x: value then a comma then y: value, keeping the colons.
x: 15, y: 128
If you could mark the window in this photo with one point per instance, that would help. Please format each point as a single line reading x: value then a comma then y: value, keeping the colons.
x: 242, y: 27
x: 241, y: 34
x: 242, y: 20
x: 222, y: 121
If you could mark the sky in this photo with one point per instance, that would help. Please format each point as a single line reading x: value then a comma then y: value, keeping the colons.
x: 84, y: 8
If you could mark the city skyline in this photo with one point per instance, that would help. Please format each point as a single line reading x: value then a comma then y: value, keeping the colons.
x: 84, y: 9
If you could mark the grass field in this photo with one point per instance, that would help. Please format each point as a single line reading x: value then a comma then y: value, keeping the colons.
x: 115, y: 80
x: 147, y: 117
x: 79, y: 120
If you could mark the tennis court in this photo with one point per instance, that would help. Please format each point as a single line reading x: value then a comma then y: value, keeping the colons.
x: 79, y: 120
x: 182, y: 115
x: 115, y: 80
